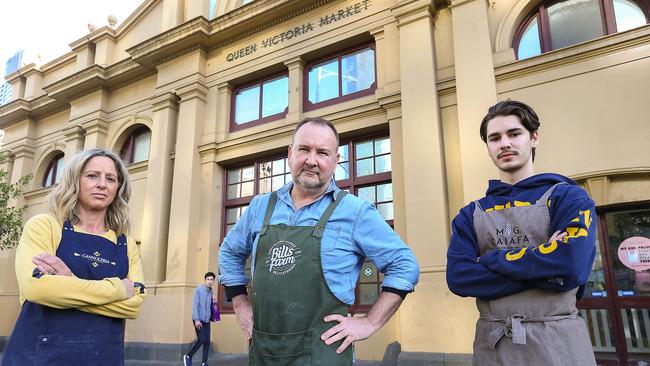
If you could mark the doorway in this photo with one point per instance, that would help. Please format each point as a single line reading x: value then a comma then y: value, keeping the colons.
x: 616, y: 304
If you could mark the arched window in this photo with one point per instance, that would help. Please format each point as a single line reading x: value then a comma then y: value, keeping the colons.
x: 556, y: 24
x: 136, y: 146
x: 53, y: 172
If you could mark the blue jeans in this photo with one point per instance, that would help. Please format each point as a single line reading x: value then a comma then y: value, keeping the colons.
x: 202, y: 339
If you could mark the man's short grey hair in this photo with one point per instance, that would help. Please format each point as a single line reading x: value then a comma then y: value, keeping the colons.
x: 316, y: 121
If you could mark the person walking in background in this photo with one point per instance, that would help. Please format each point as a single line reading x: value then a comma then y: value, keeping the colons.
x: 202, y: 312
x: 525, y: 251
x: 78, y: 270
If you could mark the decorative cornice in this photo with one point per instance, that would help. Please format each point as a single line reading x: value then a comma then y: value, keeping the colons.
x: 74, y: 132
x: 163, y: 101
x: 15, y: 110
x: 411, y: 11
x: 192, y: 91
x: 612, y: 172
x: 23, y: 151
x: 295, y: 62
x: 88, y: 79
x: 97, y: 125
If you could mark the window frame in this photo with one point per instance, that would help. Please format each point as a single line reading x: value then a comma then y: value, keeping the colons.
x: 129, y: 145
x: 309, y: 106
x: 53, y: 167
x: 262, y: 120
x: 608, y: 19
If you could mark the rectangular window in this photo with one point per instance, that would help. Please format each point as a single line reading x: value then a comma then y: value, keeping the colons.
x: 364, y: 169
x: 341, y: 77
x: 260, y: 102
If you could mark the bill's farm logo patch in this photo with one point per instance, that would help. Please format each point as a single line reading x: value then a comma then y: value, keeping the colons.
x: 281, y: 258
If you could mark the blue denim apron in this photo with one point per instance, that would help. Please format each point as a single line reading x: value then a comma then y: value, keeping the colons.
x: 69, y: 337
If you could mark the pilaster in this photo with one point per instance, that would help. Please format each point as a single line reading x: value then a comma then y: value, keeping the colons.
x: 155, y: 220
x: 417, y: 133
x: 74, y: 141
x: 186, y: 186
x: 224, y: 100
x: 475, y: 89
x: 296, y: 68
x: 96, y: 131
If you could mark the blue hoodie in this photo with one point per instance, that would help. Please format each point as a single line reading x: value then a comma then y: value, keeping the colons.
x: 493, y: 276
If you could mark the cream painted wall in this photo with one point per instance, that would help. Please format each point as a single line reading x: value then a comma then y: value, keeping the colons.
x: 59, y: 69
x: 145, y: 28
x: 594, y: 118
x: 130, y: 94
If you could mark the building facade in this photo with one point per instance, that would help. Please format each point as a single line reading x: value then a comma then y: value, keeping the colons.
x: 202, y: 107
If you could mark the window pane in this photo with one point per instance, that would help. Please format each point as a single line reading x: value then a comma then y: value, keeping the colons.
x: 385, y: 192
x: 628, y: 15
x: 342, y: 171
x: 383, y: 164
x: 367, y: 193
x: 265, y: 185
x: 343, y: 152
x: 234, y: 176
x: 364, y: 149
x: 49, y: 177
x: 386, y: 210
x: 266, y: 169
x: 358, y: 71
x: 247, y: 104
x: 233, y: 191
x: 59, y: 169
x: 142, y: 142
x: 324, y: 81
x: 275, y: 96
x: 595, y: 286
x: 247, y: 173
x: 382, y: 146
x: 278, y: 167
x: 529, y: 44
x: 278, y: 182
x: 247, y: 189
x: 574, y: 21
x: 365, y: 167
x: 629, y: 240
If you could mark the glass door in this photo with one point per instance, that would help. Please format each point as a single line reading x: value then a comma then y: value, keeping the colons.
x: 616, y: 305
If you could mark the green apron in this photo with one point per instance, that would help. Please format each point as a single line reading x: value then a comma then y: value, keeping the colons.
x: 291, y: 297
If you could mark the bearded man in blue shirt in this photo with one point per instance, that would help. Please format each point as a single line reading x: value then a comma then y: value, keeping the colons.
x: 308, y: 241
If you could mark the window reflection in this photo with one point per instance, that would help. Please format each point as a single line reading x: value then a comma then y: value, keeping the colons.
x: 621, y: 226
x: 628, y: 15
x: 265, y: 99
x: 529, y: 45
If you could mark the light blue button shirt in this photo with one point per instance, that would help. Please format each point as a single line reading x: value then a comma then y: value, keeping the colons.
x: 355, y: 231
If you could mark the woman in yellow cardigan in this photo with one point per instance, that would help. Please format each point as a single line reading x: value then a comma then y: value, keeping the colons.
x: 79, y: 273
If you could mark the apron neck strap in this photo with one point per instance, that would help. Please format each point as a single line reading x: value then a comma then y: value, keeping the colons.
x: 320, y: 227
x: 547, y: 195
x: 269, y: 212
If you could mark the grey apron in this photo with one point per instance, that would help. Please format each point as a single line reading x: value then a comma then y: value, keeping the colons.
x: 534, y: 327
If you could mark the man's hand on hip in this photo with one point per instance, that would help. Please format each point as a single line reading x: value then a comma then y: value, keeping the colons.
x: 348, y: 329
x: 244, y: 312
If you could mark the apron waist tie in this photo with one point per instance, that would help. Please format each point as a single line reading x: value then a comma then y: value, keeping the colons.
x: 513, y: 326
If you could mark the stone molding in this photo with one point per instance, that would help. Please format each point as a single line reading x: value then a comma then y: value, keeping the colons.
x: 412, y: 11
x: 163, y: 101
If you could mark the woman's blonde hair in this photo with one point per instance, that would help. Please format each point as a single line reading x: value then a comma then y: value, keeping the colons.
x: 64, y: 198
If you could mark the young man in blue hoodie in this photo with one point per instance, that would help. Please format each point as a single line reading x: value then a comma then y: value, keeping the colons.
x: 524, y: 251
x: 201, y: 314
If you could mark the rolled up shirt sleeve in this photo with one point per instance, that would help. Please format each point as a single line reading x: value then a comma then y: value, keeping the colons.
x: 381, y: 244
